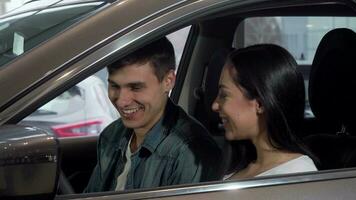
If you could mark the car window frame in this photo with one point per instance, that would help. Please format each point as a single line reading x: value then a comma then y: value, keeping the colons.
x: 204, y: 189
x: 255, y: 182
x: 88, y: 65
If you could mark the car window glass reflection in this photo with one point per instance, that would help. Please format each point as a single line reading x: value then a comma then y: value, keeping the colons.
x: 26, y: 26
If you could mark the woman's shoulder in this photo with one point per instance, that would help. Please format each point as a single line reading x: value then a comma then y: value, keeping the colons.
x: 302, y: 163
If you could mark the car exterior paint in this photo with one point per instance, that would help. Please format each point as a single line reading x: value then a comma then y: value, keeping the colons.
x: 98, y: 40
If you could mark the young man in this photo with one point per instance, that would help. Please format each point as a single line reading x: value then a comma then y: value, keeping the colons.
x: 154, y: 143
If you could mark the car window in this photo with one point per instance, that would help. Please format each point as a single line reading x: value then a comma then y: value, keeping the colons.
x: 299, y: 35
x: 82, y: 110
x: 85, y: 109
x: 178, y: 39
x: 25, y: 27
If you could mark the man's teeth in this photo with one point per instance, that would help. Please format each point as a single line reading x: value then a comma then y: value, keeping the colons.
x: 129, y: 111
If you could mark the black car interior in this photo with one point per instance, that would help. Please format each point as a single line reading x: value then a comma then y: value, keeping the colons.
x: 76, y: 167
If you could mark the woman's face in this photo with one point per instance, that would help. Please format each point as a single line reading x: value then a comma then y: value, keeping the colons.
x: 239, y: 114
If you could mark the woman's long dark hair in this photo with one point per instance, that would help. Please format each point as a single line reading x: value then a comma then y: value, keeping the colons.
x: 268, y: 73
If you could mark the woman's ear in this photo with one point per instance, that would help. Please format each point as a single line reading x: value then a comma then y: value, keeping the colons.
x: 259, y: 108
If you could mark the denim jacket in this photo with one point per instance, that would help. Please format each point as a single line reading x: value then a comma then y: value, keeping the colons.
x: 177, y: 150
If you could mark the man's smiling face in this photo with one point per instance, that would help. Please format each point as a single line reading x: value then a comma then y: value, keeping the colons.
x: 139, y: 96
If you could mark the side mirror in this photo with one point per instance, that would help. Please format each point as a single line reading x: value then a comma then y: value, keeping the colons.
x: 28, y: 163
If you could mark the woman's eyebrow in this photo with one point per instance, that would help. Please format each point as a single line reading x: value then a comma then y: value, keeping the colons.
x: 222, y: 86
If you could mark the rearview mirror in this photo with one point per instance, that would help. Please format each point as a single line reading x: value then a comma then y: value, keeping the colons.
x: 28, y: 163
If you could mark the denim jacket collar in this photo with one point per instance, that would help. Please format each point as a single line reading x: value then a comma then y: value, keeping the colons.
x: 160, y: 130
x: 156, y: 134
x: 154, y: 137
x: 122, y: 146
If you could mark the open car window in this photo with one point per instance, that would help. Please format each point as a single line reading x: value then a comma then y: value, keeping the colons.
x: 82, y: 110
x: 85, y: 109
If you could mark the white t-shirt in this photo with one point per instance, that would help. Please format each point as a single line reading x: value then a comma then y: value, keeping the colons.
x: 121, y: 179
x: 301, y: 164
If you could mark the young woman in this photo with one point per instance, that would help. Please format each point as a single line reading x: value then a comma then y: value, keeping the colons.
x: 261, y: 100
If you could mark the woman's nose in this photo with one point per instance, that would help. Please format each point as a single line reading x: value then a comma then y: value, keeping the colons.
x: 215, y: 106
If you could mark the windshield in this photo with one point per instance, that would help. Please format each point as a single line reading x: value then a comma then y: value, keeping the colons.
x: 25, y: 27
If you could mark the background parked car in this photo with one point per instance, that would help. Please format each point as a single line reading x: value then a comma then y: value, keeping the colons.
x: 82, y: 110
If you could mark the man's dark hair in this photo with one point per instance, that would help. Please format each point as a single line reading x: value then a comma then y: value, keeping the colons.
x: 159, y: 53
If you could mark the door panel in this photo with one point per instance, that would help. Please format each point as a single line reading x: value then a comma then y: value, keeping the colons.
x: 78, y: 158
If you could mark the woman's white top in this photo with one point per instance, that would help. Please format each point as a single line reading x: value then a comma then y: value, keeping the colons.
x: 301, y: 164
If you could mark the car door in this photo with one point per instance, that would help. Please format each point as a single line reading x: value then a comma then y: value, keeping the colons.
x: 100, y: 40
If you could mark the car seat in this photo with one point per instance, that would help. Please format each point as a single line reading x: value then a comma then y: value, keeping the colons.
x: 331, y: 100
x: 206, y: 95
x: 208, y: 91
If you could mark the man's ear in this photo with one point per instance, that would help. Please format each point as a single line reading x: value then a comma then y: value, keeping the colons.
x: 169, y: 80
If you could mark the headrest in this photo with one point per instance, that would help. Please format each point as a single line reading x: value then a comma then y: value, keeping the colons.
x: 332, y: 81
x: 215, y: 66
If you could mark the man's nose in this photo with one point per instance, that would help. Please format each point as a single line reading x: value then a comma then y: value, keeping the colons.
x: 124, y: 98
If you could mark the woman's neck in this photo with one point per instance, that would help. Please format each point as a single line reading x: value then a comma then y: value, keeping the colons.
x: 268, y: 155
x: 267, y: 158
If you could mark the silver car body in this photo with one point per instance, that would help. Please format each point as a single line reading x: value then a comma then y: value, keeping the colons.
x: 118, y: 29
